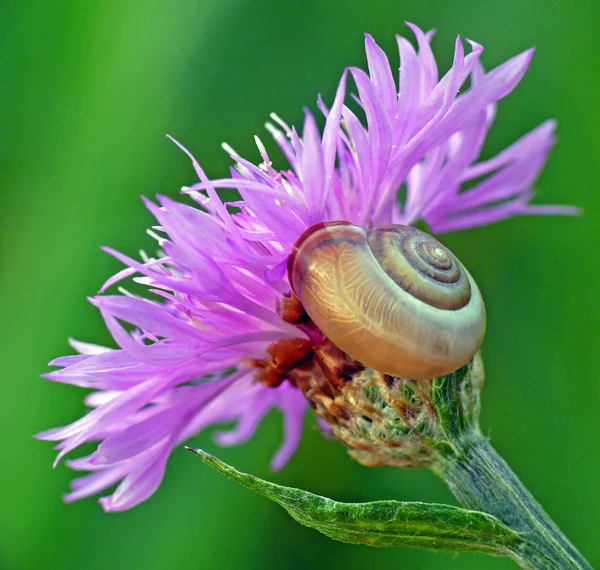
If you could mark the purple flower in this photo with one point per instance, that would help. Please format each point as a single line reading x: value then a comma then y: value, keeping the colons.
x: 218, y: 284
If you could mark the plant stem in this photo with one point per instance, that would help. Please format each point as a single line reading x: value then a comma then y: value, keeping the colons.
x: 481, y: 480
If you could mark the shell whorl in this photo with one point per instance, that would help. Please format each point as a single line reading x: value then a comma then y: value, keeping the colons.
x: 394, y: 298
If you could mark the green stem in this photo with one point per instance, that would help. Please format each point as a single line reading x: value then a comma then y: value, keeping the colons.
x: 481, y: 480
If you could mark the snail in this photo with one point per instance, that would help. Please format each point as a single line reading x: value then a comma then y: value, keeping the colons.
x: 393, y: 298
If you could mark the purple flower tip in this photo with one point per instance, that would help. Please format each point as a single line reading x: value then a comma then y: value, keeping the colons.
x: 187, y: 358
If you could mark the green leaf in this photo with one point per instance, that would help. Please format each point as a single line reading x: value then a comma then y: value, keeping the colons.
x: 383, y: 523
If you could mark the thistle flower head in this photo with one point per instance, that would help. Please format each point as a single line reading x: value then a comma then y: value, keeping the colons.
x: 213, y: 341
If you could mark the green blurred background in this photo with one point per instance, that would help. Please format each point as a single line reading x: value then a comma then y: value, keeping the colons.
x: 89, y: 90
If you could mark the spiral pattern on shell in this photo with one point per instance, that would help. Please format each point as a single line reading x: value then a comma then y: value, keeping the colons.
x: 394, y: 298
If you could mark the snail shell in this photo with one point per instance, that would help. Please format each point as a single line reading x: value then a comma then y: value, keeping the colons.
x: 393, y: 298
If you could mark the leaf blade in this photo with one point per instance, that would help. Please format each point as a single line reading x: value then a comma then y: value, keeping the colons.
x: 382, y: 523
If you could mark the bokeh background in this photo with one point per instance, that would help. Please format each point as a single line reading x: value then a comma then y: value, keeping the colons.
x: 88, y: 91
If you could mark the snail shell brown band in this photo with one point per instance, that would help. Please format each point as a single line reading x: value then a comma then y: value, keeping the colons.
x: 393, y: 298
